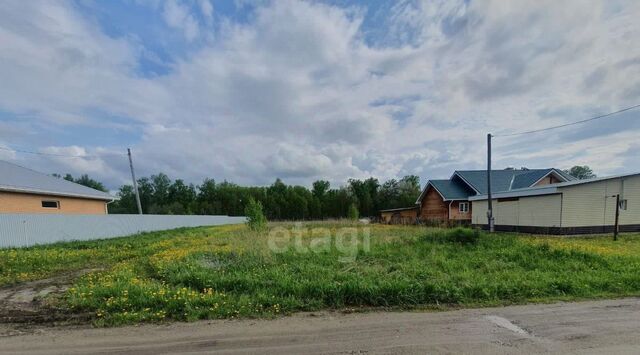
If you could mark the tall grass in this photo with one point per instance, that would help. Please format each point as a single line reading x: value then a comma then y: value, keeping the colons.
x: 229, y: 272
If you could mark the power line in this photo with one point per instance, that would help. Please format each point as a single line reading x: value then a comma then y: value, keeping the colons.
x: 568, y: 124
x: 54, y: 154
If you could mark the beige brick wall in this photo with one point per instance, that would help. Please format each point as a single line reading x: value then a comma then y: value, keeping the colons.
x: 11, y: 202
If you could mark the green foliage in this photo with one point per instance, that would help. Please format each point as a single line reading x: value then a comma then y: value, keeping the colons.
x: 226, y: 272
x: 459, y: 235
x: 581, y: 172
x: 353, y: 212
x: 366, y: 195
x: 84, y: 180
x: 160, y: 195
x: 255, y: 216
x: 402, y: 193
x: 320, y: 188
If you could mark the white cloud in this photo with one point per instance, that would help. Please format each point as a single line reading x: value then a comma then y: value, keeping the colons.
x: 206, y: 8
x: 300, y: 92
x: 178, y: 16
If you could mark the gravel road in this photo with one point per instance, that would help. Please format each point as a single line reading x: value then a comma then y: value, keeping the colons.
x: 610, y: 326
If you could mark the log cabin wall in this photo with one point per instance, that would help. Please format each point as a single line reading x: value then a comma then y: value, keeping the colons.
x: 455, y: 213
x: 432, y: 207
x: 407, y: 216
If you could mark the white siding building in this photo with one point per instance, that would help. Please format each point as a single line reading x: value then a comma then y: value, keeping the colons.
x: 574, y: 207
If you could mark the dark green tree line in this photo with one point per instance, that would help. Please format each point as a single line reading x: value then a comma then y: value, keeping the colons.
x: 160, y: 195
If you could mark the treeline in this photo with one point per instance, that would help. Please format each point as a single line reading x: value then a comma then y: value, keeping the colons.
x: 160, y: 195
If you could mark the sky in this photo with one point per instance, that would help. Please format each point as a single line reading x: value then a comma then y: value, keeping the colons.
x: 251, y: 91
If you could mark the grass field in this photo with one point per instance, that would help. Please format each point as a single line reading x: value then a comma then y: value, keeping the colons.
x: 229, y: 271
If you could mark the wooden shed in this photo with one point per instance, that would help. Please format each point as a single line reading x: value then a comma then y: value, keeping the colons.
x: 406, y: 215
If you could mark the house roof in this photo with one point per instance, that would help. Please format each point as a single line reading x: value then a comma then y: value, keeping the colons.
x: 547, y: 189
x: 450, y: 190
x: 399, y: 209
x: 505, y: 180
x: 15, y: 178
x: 465, y: 183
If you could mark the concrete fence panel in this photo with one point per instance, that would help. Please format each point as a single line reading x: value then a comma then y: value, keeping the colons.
x: 22, y: 230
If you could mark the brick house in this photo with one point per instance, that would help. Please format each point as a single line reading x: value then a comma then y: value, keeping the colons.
x: 24, y: 190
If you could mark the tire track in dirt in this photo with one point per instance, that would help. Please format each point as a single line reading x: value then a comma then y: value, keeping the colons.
x: 33, y: 303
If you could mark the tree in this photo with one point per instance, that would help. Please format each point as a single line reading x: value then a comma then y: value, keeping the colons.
x: 160, y: 184
x: 409, y: 190
x: 366, y: 194
x: 207, y: 194
x: 353, y: 212
x: 279, y: 201
x: 84, y: 180
x: 337, y: 202
x: 126, y: 204
x: 89, y: 182
x: 581, y: 172
x: 182, y: 194
x: 403, y: 193
x: 320, y: 187
x: 255, y: 216
x: 147, y: 198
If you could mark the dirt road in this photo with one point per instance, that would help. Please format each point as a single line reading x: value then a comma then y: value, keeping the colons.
x: 611, y: 326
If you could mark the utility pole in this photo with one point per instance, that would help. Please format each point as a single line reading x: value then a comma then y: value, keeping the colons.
x: 616, y: 226
x: 135, y: 183
x: 489, y: 202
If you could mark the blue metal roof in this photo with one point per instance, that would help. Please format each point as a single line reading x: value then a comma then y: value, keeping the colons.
x: 16, y: 178
x: 451, y: 190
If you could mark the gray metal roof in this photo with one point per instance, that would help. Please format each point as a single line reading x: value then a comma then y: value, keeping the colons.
x: 451, y: 190
x: 16, y: 178
x: 548, y: 189
x: 505, y: 180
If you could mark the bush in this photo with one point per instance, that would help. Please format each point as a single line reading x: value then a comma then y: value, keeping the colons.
x: 255, y: 216
x: 460, y: 235
x: 353, y: 213
x: 430, y: 222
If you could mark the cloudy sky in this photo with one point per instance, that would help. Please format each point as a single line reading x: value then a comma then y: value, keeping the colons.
x: 253, y: 90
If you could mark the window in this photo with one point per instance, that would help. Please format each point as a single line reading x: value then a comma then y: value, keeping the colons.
x: 463, y: 207
x: 623, y: 205
x: 51, y: 204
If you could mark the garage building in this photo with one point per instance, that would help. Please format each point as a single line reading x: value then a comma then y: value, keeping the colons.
x: 573, y: 207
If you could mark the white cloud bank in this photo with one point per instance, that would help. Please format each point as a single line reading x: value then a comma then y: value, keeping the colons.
x: 301, y: 92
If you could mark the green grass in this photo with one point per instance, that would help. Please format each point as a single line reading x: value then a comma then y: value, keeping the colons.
x: 228, y: 272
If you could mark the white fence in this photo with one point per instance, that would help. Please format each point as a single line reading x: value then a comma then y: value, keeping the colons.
x: 21, y: 230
